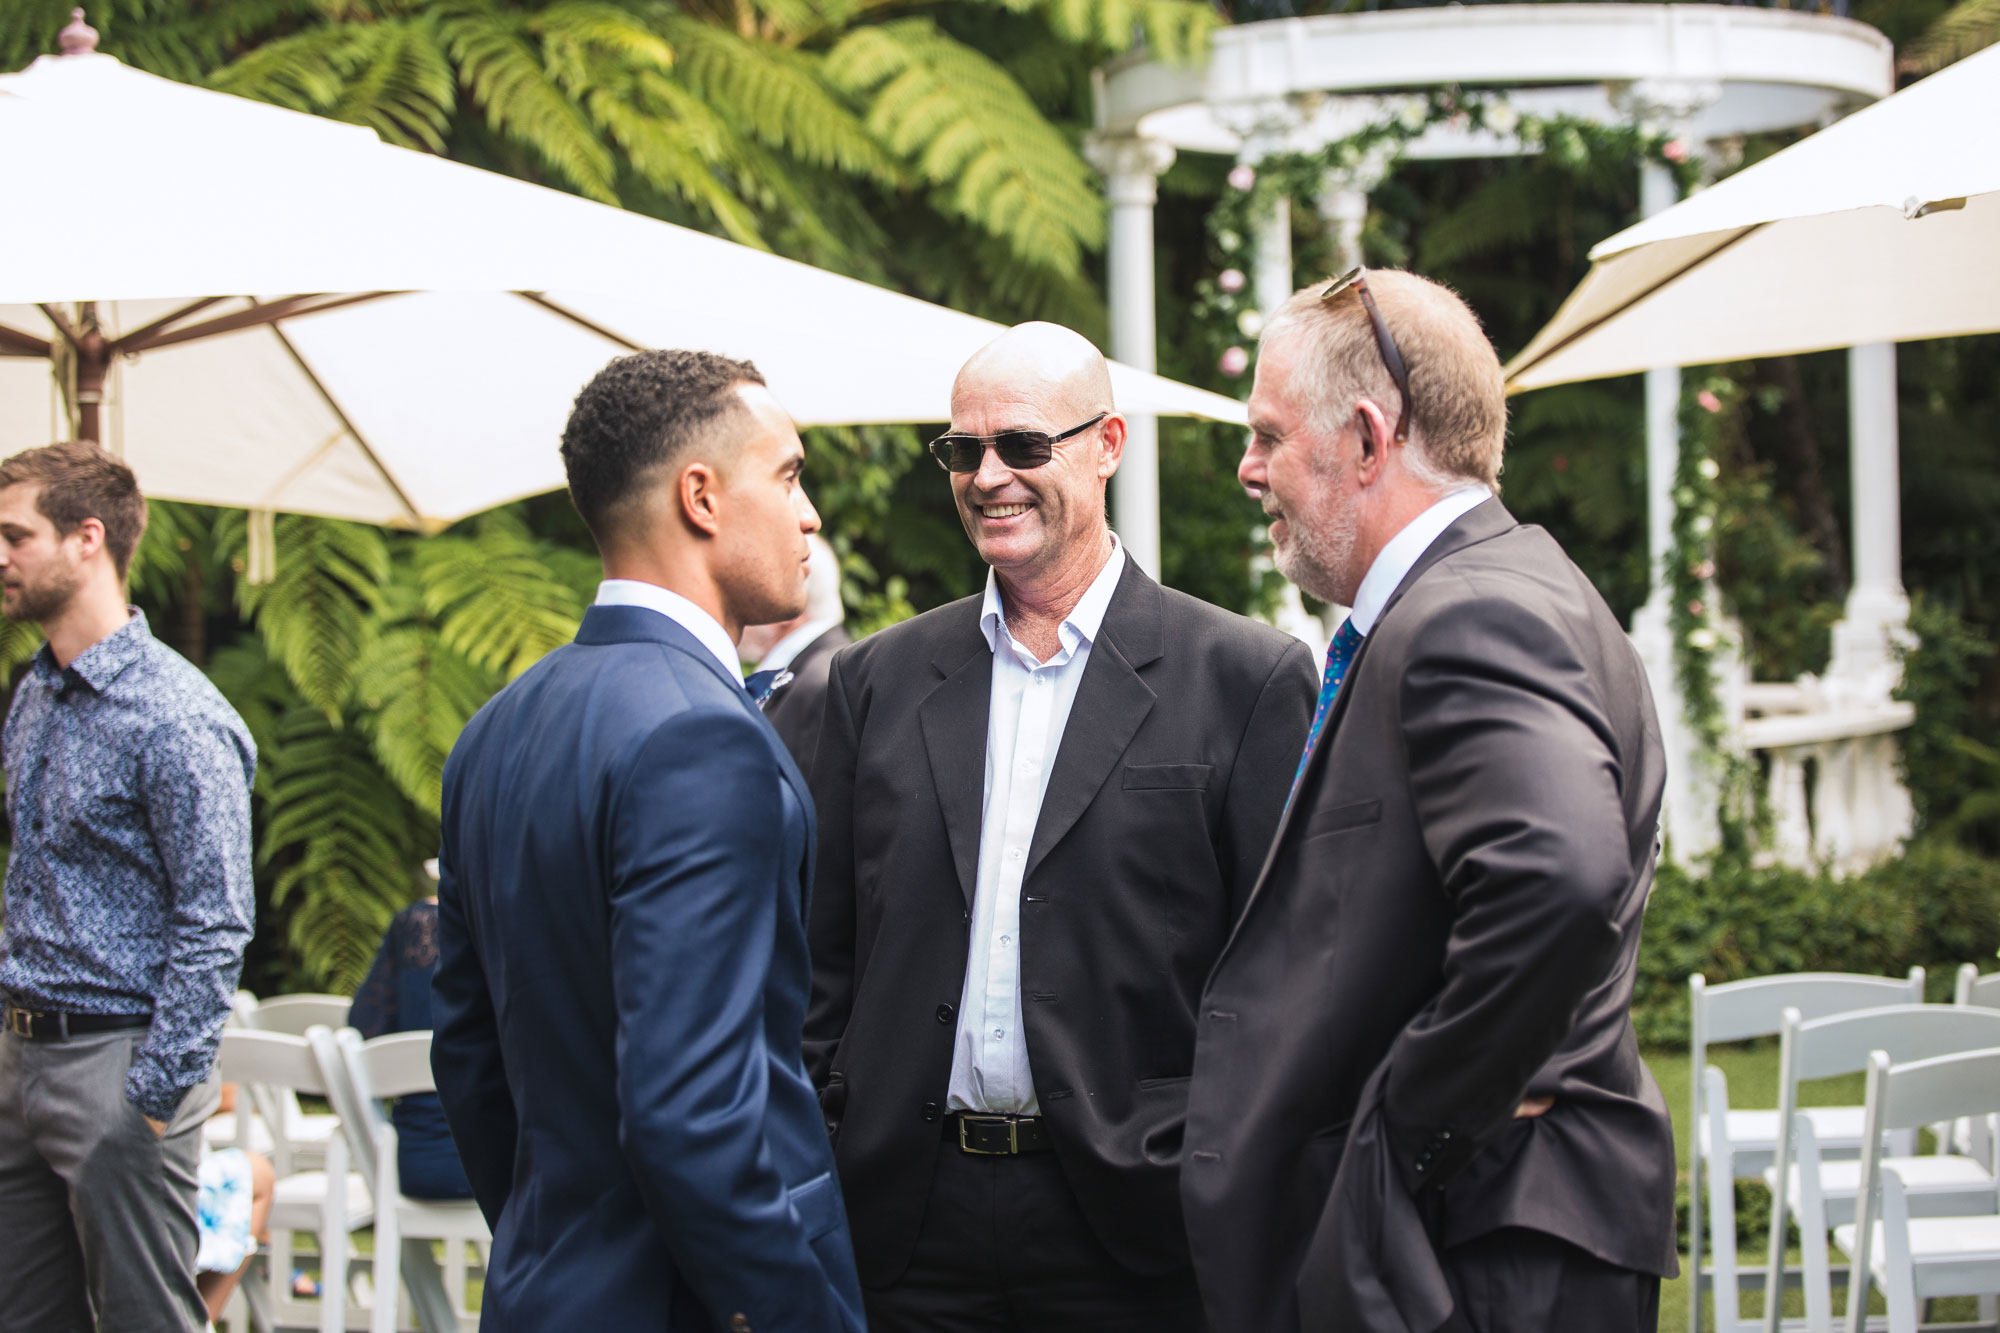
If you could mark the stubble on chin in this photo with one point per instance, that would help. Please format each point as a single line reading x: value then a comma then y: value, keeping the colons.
x: 1317, y: 550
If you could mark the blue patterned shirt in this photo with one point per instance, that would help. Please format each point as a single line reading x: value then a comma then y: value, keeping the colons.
x: 128, y: 891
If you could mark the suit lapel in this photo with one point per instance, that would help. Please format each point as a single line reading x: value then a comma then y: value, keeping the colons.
x: 1482, y: 522
x: 953, y: 718
x: 1111, y: 702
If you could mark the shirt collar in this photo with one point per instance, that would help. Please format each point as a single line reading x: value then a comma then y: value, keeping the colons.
x: 705, y: 628
x: 786, y: 649
x: 1407, y: 547
x: 104, y: 661
x: 1083, y: 622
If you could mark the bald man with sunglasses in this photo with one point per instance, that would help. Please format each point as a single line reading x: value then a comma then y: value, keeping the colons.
x: 1041, y: 810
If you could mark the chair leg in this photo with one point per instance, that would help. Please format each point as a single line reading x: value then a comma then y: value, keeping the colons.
x: 390, y: 1251
x: 429, y: 1300
x: 454, y: 1274
x: 256, y: 1293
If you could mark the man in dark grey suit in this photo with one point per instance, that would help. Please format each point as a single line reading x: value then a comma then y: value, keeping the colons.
x: 1418, y: 1104
x: 1040, y: 810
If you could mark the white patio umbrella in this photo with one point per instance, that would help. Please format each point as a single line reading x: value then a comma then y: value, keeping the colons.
x: 1883, y: 227
x: 291, y: 315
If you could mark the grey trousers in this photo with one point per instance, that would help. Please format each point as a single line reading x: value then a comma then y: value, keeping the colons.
x: 97, y: 1214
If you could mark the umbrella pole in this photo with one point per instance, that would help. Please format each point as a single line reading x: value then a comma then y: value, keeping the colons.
x: 93, y: 364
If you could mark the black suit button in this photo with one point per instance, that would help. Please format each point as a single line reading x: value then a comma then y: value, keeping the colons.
x: 1420, y: 1168
x: 946, y: 1013
x: 930, y: 1112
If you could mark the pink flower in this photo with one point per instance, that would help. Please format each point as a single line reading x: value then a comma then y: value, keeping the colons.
x: 1231, y: 280
x: 1234, y: 362
x: 1705, y: 570
x: 1695, y: 607
x: 1242, y: 176
x: 1709, y: 402
x: 1675, y: 150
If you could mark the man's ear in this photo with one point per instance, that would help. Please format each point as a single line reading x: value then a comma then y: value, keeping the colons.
x: 1112, y: 451
x: 1374, y: 433
x: 89, y: 538
x: 700, y: 494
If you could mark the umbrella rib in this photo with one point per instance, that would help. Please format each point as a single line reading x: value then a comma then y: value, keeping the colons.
x: 138, y: 337
x: 402, y: 498
x: 1610, y: 315
x: 545, y: 303
x: 17, y: 342
x: 61, y: 321
x: 290, y: 307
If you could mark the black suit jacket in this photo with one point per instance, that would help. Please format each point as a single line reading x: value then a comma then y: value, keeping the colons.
x: 1449, y: 920
x: 1187, y: 725
x: 794, y: 711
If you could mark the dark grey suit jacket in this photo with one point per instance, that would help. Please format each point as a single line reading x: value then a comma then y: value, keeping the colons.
x: 794, y: 711
x: 1448, y: 923
x: 1168, y: 783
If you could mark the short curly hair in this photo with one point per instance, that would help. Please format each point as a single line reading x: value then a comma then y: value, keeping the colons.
x: 79, y: 480
x: 639, y: 414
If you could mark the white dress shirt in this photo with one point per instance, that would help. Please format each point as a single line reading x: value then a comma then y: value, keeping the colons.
x: 787, y: 649
x: 1024, y: 729
x: 705, y: 628
x: 1403, y: 550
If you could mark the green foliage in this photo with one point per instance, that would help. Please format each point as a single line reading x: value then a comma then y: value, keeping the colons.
x: 497, y: 601
x: 319, y: 613
x: 1936, y: 906
x: 1968, y: 26
x: 1942, y: 666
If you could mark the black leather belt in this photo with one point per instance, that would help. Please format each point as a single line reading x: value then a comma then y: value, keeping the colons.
x: 997, y: 1135
x: 53, y: 1025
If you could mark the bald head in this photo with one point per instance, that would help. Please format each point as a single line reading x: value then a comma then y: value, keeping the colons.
x: 1039, y: 364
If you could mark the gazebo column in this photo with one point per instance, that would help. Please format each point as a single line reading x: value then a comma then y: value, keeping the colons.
x: 1343, y: 206
x: 1878, y: 611
x: 1690, y: 815
x: 1132, y: 168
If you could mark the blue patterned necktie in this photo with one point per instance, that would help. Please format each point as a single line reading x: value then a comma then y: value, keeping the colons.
x: 763, y: 684
x: 1338, y: 654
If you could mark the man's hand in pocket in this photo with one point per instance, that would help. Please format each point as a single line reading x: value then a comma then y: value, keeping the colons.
x: 159, y: 1126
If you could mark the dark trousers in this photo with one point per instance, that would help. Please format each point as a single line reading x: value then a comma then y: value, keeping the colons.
x: 1005, y: 1249
x: 97, y: 1213
x: 1519, y: 1281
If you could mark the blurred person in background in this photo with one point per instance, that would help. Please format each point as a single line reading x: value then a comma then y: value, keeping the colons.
x: 803, y: 646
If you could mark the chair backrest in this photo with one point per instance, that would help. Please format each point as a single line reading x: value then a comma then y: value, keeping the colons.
x: 1923, y: 1092
x: 399, y: 1064
x: 359, y: 1114
x: 1739, y: 1010
x: 270, y: 1060
x: 1977, y: 990
x: 1843, y: 1043
x: 296, y: 1013
x: 242, y: 1010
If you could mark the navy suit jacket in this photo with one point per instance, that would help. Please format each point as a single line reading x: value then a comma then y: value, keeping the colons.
x: 621, y: 987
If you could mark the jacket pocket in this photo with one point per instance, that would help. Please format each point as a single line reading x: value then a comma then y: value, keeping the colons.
x: 817, y: 1205
x: 1343, y: 819
x: 833, y: 1102
x: 1168, y: 777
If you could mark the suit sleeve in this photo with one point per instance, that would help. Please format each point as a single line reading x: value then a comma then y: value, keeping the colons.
x: 465, y: 1046
x: 1266, y: 759
x: 831, y: 926
x: 697, y: 874
x: 1516, y: 780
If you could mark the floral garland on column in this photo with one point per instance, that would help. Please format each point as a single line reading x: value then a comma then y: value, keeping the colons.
x: 1226, y: 305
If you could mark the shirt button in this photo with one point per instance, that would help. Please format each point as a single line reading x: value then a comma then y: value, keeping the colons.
x: 945, y: 1013
x: 998, y: 1033
x: 1005, y: 940
x: 1013, y: 853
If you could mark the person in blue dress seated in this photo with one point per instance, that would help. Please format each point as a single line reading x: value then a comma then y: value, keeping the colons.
x: 396, y: 997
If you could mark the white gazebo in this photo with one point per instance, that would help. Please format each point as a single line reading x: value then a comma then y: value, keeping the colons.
x: 1702, y: 73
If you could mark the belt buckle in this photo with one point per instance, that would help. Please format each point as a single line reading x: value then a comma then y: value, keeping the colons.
x: 20, y: 1022
x: 1013, y: 1135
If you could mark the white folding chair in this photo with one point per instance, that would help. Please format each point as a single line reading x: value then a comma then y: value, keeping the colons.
x: 1727, y: 1144
x: 293, y: 1138
x: 1976, y: 1137
x: 363, y: 1074
x: 241, y: 1127
x: 1913, y: 1259
x: 1821, y: 1194
x: 328, y: 1203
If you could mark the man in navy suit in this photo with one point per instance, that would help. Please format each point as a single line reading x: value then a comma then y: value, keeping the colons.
x: 627, y: 850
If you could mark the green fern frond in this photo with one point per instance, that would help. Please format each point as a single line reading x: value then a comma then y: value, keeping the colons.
x: 778, y: 96
x: 675, y: 148
x: 260, y: 692
x: 318, y: 614
x: 419, y: 695
x: 497, y: 602
x: 406, y: 90
x: 175, y: 532
x: 578, y: 36
x: 19, y: 641
x: 346, y: 847
x: 508, y: 82
x: 972, y: 132
x: 1509, y: 209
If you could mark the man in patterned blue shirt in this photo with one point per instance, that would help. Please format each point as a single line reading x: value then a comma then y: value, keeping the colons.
x: 128, y: 905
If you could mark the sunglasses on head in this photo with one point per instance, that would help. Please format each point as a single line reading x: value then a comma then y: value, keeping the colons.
x: 1356, y: 280
x: 1019, y: 450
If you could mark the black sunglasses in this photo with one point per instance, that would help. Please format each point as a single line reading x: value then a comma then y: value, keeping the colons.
x: 1356, y: 280
x: 1019, y: 450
